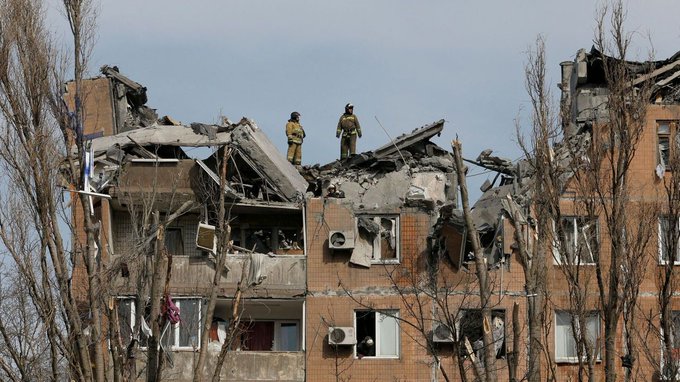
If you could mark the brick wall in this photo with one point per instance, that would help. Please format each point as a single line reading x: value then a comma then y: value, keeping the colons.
x: 328, y: 304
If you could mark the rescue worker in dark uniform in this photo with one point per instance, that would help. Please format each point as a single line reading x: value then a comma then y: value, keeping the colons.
x: 296, y: 135
x: 349, y: 128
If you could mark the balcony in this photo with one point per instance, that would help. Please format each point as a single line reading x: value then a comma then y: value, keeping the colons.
x: 243, y: 366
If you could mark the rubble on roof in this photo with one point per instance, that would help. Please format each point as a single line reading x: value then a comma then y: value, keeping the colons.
x: 257, y: 170
x: 403, y: 141
x: 409, y: 171
x: 585, y: 92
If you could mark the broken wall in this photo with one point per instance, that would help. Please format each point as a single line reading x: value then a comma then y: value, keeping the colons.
x: 193, y: 269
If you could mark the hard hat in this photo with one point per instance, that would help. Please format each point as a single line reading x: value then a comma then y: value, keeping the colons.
x: 294, y: 115
x: 349, y: 106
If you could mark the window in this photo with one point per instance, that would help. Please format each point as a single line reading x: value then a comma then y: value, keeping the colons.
x: 174, y: 242
x: 566, y: 343
x: 127, y: 319
x: 580, y: 237
x: 185, y: 334
x: 674, y: 367
x: 380, y: 236
x: 471, y: 324
x: 665, y: 133
x: 270, y: 336
x: 666, y: 250
x: 287, y: 336
x: 377, y: 333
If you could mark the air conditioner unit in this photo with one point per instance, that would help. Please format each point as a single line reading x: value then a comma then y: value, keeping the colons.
x: 341, y: 240
x: 441, y: 333
x: 341, y: 336
x: 205, y: 237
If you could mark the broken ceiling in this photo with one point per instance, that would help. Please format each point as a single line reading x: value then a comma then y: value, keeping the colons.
x: 256, y: 169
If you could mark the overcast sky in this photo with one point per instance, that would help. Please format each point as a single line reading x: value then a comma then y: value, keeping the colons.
x: 408, y: 63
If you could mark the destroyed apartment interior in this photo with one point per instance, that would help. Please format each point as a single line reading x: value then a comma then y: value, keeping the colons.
x: 319, y: 286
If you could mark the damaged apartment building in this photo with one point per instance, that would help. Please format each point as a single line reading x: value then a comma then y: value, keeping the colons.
x: 585, y: 100
x: 310, y: 266
x: 325, y: 273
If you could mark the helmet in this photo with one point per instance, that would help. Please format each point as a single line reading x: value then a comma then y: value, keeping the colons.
x: 294, y: 115
x: 349, y: 106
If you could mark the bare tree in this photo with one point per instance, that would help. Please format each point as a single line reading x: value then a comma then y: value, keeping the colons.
x: 534, y: 205
x: 37, y: 130
x: 605, y: 194
x: 481, y: 271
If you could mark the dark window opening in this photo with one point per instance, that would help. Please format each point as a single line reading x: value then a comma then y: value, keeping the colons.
x: 259, y: 240
x: 365, y: 334
x: 377, y: 333
x: 472, y: 327
x: 174, y: 242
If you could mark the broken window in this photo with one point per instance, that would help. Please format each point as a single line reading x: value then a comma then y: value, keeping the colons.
x: 566, y: 343
x: 379, y: 237
x: 259, y: 240
x: 666, y: 250
x: 174, y: 242
x: 471, y: 327
x: 674, y: 336
x: 127, y: 319
x: 235, y: 237
x: 289, y: 240
x: 270, y: 336
x: 267, y: 239
x: 580, y: 237
x: 664, y: 131
x: 377, y: 333
x: 186, y: 333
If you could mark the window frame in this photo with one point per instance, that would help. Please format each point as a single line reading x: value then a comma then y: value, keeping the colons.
x: 669, y: 137
x: 174, y: 329
x: 661, y: 239
x: 277, y: 333
x: 392, y: 314
x: 576, y: 234
x: 598, y: 337
x: 377, y: 244
x: 133, y: 321
x: 276, y: 337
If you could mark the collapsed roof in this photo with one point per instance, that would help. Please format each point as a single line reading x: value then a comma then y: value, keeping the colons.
x: 256, y: 171
x: 411, y: 170
x: 663, y: 74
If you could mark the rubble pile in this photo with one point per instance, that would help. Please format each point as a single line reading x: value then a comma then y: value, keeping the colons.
x: 409, y: 171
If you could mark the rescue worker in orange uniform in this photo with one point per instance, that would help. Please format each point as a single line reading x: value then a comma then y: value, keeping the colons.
x: 349, y: 128
x: 296, y: 135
